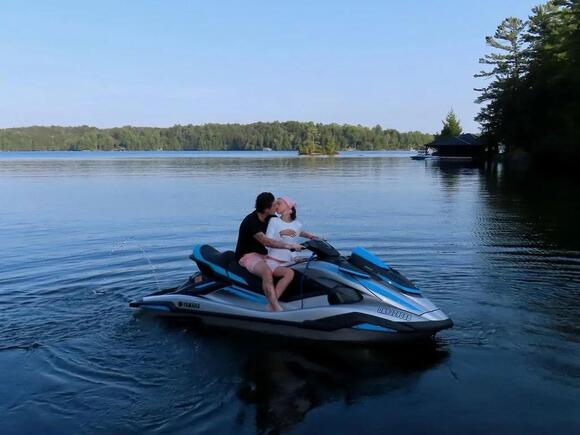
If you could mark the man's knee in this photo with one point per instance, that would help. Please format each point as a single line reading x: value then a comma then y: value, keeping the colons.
x: 261, y: 269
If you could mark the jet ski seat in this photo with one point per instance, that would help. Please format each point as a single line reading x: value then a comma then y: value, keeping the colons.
x: 212, y: 255
x: 254, y: 282
x: 207, y: 256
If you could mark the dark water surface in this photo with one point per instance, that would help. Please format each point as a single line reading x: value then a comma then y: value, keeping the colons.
x: 81, y: 234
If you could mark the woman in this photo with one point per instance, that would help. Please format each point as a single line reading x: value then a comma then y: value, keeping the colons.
x: 284, y: 228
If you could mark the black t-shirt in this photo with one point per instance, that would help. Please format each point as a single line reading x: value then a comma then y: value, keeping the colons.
x: 250, y: 226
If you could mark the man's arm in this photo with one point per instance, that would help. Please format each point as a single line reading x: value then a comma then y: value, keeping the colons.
x: 271, y: 243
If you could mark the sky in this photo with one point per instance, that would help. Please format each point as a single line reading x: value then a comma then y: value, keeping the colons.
x: 399, y: 64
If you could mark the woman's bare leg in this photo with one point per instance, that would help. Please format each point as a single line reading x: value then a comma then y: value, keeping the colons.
x: 286, y: 276
x: 264, y: 272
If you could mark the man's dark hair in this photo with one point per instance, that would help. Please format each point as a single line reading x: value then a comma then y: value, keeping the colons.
x: 263, y: 201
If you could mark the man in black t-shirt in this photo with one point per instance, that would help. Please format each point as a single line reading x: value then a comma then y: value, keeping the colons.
x: 251, y: 250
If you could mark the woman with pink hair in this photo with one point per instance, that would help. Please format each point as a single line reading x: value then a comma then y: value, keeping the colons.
x: 284, y: 228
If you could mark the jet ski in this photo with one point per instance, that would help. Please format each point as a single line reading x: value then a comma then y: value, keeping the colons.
x: 354, y: 298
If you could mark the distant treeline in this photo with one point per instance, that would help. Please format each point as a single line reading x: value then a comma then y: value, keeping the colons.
x: 532, y: 102
x: 289, y: 135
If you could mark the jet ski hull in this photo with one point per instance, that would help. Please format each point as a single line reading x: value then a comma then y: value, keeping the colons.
x: 347, y: 323
x: 337, y: 299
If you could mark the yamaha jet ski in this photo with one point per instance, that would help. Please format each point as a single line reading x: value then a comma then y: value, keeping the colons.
x: 355, y: 298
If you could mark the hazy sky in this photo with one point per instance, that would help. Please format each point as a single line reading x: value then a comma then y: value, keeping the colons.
x: 400, y: 64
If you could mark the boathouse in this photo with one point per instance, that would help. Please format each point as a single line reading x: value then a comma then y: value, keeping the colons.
x: 468, y: 145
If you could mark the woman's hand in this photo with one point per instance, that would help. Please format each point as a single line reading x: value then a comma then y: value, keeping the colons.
x: 308, y: 235
x: 288, y: 232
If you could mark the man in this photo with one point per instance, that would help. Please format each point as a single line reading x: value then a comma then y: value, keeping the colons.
x: 251, y: 250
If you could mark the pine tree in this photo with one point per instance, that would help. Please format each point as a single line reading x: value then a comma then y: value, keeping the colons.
x: 451, y: 125
x: 509, y: 67
x: 533, y: 100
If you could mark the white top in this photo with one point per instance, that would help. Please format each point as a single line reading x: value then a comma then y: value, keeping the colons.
x: 275, y: 225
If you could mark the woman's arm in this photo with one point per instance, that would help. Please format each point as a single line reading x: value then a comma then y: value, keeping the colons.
x: 307, y: 235
x: 272, y: 231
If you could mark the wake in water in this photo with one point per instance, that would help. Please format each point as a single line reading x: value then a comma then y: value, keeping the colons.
x: 120, y: 247
x: 65, y: 303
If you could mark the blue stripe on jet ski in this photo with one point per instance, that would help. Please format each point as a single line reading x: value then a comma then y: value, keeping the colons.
x: 354, y: 272
x: 369, y: 284
x: 371, y: 258
x: 236, y: 278
x: 207, y: 284
x: 155, y: 307
x: 386, y: 292
x: 371, y: 327
x: 217, y: 269
x: 400, y: 286
x: 334, y: 269
x: 247, y: 295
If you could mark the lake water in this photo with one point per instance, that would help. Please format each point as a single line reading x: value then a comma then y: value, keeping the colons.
x: 81, y: 234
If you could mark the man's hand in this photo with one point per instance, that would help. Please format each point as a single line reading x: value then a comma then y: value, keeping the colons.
x: 296, y: 247
x: 271, y: 243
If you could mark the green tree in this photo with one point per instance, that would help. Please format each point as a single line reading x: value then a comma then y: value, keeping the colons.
x: 451, y: 125
x: 508, y: 67
x: 533, y: 99
x: 329, y: 146
x: 310, y: 144
x: 554, y: 80
x: 290, y: 135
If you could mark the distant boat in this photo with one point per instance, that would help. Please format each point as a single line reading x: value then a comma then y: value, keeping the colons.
x: 421, y: 155
x: 266, y: 149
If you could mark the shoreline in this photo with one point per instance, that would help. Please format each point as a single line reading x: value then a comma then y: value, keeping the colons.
x: 206, y: 151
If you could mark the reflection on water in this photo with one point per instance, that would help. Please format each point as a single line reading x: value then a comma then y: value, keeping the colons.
x: 543, y: 240
x: 80, y: 236
x: 285, y: 383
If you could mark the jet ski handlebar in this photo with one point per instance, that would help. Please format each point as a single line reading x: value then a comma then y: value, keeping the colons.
x: 304, y: 244
x: 321, y: 248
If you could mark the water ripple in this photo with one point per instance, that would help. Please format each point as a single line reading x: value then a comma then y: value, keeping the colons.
x: 81, y: 237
